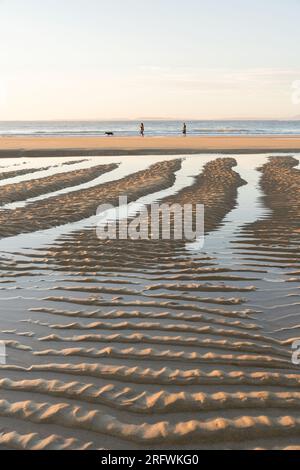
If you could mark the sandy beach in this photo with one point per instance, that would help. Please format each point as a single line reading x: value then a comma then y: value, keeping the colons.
x: 77, y: 146
x: 142, y: 344
x: 149, y: 230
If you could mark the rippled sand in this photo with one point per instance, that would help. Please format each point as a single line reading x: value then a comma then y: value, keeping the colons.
x: 150, y: 344
x: 36, y: 187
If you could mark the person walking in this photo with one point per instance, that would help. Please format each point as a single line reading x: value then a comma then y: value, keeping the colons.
x: 142, y: 129
x: 184, y: 129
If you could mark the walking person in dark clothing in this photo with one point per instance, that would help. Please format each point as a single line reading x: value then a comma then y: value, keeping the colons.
x: 184, y: 129
x: 142, y: 129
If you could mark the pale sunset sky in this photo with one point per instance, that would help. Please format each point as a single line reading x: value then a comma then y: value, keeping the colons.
x: 129, y: 59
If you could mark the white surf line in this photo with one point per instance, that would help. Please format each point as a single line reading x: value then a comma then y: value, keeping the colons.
x: 191, y: 166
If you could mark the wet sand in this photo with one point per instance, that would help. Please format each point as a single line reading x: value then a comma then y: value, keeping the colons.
x: 75, y: 146
x: 124, y: 344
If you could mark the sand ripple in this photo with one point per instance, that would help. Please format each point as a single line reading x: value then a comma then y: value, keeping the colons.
x: 138, y: 344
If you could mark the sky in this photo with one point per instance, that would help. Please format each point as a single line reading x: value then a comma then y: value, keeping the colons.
x: 130, y: 59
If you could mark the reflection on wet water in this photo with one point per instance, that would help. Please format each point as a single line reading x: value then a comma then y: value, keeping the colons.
x: 146, y: 344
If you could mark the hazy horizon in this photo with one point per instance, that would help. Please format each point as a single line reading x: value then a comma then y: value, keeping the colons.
x: 98, y: 60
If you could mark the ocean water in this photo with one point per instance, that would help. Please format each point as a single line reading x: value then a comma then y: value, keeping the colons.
x: 152, y: 128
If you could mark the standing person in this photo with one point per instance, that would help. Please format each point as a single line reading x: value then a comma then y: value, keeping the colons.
x: 142, y: 129
x: 184, y: 129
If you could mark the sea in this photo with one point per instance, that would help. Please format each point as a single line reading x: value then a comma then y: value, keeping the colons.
x: 152, y: 128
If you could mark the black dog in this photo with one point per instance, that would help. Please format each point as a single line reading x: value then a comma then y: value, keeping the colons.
x: 109, y: 133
